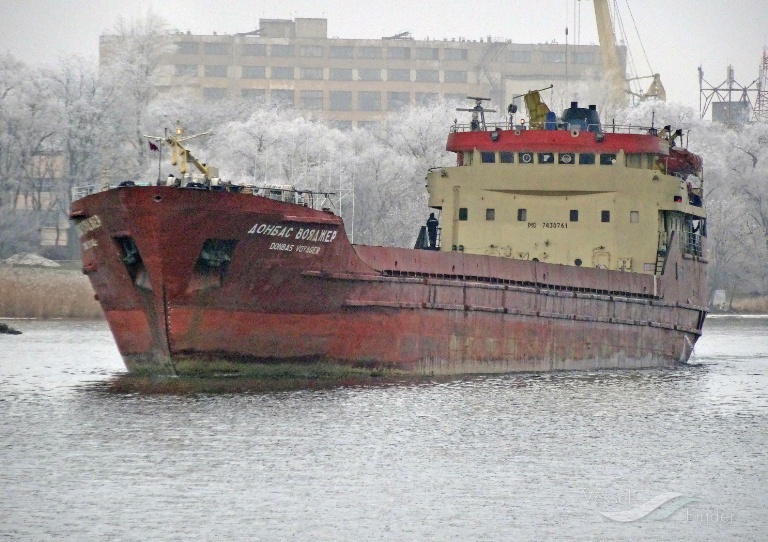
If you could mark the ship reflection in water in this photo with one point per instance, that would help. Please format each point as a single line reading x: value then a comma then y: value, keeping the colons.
x: 519, y: 457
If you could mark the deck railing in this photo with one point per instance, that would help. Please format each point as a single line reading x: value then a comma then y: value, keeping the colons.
x: 561, y: 126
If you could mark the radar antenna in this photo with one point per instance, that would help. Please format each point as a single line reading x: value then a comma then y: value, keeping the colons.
x: 478, y: 112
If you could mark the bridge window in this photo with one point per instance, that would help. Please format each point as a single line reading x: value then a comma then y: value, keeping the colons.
x: 488, y: 157
x: 525, y: 157
x: 634, y: 217
x: 565, y: 158
x: 522, y: 215
x: 506, y: 157
x: 586, y: 158
x: 605, y: 216
x: 546, y: 158
x: 490, y: 214
x: 574, y: 215
x: 607, y: 159
x: 462, y: 213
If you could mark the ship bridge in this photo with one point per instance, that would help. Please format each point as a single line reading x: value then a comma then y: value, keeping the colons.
x: 569, y: 191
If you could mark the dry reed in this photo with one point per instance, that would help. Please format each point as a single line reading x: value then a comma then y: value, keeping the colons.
x: 46, y: 293
x: 751, y: 305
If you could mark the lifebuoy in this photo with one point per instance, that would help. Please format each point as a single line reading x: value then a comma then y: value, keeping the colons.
x: 574, y: 132
x: 526, y: 157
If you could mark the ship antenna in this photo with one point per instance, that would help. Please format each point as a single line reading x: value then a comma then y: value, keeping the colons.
x: 478, y: 112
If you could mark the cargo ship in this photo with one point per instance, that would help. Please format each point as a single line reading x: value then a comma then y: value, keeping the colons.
x: 556, y: 244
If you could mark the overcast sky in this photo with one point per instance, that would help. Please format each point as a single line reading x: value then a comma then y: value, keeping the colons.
x: 678, y: 35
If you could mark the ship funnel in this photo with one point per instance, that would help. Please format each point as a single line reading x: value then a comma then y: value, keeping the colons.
x: 593, y: 107
x: 574, y: 105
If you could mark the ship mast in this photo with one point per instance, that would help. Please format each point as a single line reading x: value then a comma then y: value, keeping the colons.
x: 180, y: 154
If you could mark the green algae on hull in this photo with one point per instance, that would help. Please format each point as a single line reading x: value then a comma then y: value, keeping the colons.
x: 232, y: 377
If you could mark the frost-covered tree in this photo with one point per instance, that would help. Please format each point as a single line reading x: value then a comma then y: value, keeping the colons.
x: 131, y: 64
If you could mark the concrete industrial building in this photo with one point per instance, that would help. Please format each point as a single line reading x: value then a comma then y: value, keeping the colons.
x: 357, y: 81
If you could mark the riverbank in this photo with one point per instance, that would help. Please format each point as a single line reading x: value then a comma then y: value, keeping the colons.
x: 33, y: 292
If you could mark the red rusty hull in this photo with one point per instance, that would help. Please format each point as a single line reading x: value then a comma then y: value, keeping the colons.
x: 295, y: 289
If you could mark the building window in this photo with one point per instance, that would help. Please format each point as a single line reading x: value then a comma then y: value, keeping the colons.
x: 313, y: 51
x: 519, y: 57
x: 254, y: 72
x: 525, y: 158
x: 455, y: 54
x: 216, y: 71
x: 565, y: 158
x: 256, y: 94
x: 340, y: 100
x: 398, y: 53
x: 369, y: 125
x: 634, y: 217
x: 554, y: 57
x: 487, y: 157
x: 607, y: 159
x: 398, y: 75
x: 253, y: 49
x: 311, y: 73
x: 522, y: 215
x: 282, y: 50
x: 369, y: 101
x: 426, y: 53
x: 282, y: 72
x: 574, y: 215
x: 343, y: 125
x: 507, y: 157
x: 584, y: 58
x: 490, y: 214
x: 214, y: 94
x: 340, y: 52
x: 586, y: 158
x: 397, y: 100
x: 215, y: 48
x: 452, y: 76
x: 427, y: 76
x: 369, y: 52
x: 546, y: 158
x: 186, y: 70
x: 463, y: 214
x: 425, y: 98
x: 312, y: 100
x: 187, y: 48
x: 605, y: 216
x: 340, y: 74
x: 282, y: 97
x: 369, y: 75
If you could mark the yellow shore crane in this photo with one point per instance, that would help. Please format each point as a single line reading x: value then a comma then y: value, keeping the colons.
x: 612, y: 66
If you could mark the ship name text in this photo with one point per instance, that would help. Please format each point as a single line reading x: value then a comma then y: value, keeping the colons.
x: 285, y: 247
x: 89, y: 224
x: 90, y: 243
x: 299, y: 234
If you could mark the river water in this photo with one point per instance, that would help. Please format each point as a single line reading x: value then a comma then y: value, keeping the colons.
x: 675, y: 454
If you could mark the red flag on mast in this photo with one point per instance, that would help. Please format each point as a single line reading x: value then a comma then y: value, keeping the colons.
x: 153, y: 147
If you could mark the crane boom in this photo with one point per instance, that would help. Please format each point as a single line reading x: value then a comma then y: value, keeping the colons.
x: 608, y: 52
